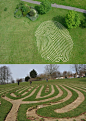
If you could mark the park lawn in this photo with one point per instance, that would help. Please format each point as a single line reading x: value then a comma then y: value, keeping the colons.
x: 74, y: 3
x: 18, y: 42
x: 6, y: 106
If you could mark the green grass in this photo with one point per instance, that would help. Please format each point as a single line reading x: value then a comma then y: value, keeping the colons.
x: 4, y: 108
x: 74, y: 3
x: 79, y: 82
x: 45, y: 111
x: 32, y: 98
x: 18, y: 42
x: 43, y: 91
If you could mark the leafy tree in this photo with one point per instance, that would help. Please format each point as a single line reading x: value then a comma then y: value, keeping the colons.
x: 72, y: 19
x: 44, y: 7
x: 27, y: 78
x: 25, y: 9
x: 33, y: 74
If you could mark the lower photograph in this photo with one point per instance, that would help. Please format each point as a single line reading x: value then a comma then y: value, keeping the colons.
x: 42, y: 92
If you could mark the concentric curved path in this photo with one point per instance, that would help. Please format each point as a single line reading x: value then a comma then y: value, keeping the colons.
x: 12, y: 115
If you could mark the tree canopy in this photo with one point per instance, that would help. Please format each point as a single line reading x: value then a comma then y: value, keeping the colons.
x: 33, y: 74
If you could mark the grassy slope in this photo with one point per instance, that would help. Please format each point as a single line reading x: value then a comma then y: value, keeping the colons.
x: 17, y: 40
x: 73, y: 3
x: 5, y: 107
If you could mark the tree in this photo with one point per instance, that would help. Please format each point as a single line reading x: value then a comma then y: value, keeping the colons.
x: 5, y: 74
x: 77, y: 68
x: 27, y: 78
x: 65, y: 74
x: 69, y: 74
x: 44, y: 7
x: 83, y: 69
x: 72, y: 19
x: 33, y: 74
x: 51, y: 69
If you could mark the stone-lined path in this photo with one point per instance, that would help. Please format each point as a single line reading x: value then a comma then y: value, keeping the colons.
x: 59, y: 6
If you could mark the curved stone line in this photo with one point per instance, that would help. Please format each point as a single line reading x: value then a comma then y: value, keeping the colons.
x: 39, y: 93
x: 74, y: 104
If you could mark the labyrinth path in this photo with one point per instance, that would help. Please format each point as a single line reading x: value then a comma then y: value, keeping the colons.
x: 52, y: 102
x: 53, y: 41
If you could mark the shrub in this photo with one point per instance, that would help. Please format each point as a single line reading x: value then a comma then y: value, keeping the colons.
x: 32, y: 12
x: 19, y: 5
x: 25, y: 9
x: 83, y: 23
x: 18, y: 13
x: 44, y: 7
x: 5, y: 9
x: 32, y: 16
x: 72, y: 19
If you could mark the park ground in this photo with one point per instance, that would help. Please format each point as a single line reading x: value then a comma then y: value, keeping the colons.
x: 17, y: 40
x: 57, y: 100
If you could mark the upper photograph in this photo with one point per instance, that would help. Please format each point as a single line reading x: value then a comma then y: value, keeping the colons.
x: 43, y: 32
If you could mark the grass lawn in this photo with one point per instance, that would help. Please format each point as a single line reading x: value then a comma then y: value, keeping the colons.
x: 49, y: 110
x: 74, y: 3
x: 18, y: 42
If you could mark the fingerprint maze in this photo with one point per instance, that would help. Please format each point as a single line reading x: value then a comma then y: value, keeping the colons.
x: 61, y: 102
x: 53, y: 41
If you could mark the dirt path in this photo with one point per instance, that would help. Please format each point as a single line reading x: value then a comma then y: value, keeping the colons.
x: 32, y: 113
x: 74, y: 104
x: 39, y: 93
x: 16, y: 103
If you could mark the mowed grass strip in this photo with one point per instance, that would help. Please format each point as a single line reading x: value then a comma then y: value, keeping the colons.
x: 45, y: 111
x: 32, y: 98
x: 4, y: 108
x: 74, y: 3
x: 15, y: 98
x: 18, y: 42
x: 43, y: 91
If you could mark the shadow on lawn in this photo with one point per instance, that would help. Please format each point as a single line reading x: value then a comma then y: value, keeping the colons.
x: 83, y: 80
x: 59, y: 19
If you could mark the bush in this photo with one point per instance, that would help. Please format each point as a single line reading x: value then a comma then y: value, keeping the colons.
x: 18, y: 13
x: 32, y: 12
x: 44, y: 7
x: 25, y: 9
x: 83, y: 23
x: 72, y: 19
x: 19, y: 5
x: 32, y: 15
x: 5, y: 9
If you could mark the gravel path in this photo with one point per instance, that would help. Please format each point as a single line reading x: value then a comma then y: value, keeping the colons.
x: 59, y: 6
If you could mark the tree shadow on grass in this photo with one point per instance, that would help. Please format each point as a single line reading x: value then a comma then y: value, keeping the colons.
x: 83, y: 80
x: 59, y: 19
